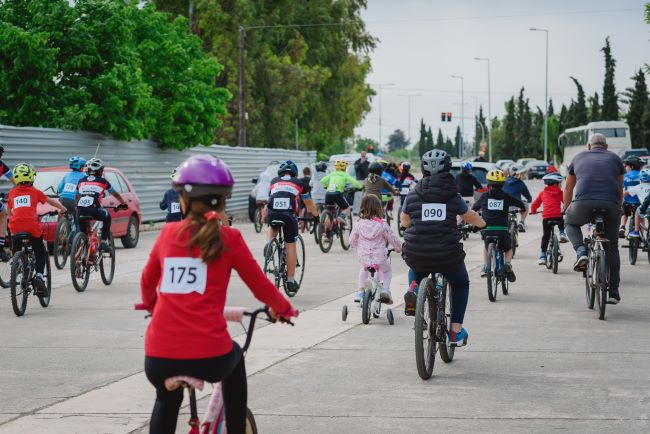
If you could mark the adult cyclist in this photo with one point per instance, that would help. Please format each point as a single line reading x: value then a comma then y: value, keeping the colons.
x: 335, y: 183
x: 467, y: 183
x: 285, y: 190
x: 67, y: 188
x: 432, y: 239
x: 4, y: 215
x: 516, y: 188
x: 90, y: 191
x: 633, y: 166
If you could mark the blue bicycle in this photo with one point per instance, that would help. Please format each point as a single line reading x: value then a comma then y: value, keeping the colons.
x: 496, y: 272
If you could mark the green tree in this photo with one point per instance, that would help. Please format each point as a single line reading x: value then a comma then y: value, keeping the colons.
x: 422, y: 142
x: 563, y: 119
x: 397, y: 140
x: 523, y: 125
x: 610, y: 97
x: 478, y: 133
x: 449, y: 146
x: 645, y: 125
x: 507, y: 147
x: 637, y: 101
x: 555, y: 152
x: 429, y: 139
x: 579, y: 112
x: 366, y: 144
x: 551, y: 110
x: 440, y: 141
x: 594, y: 108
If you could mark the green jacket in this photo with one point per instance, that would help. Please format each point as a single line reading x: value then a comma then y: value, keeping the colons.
x: 336, y: 181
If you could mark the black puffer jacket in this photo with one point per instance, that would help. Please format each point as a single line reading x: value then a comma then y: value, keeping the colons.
x: 433, y: 244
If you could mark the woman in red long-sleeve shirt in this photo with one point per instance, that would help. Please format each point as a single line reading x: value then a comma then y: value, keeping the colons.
x: 185, y: 283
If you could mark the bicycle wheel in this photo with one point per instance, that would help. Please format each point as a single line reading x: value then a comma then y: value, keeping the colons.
x: 344, y: 233
x: 505, y: 285
x: 514, y: 232
x: 61, y: 248
x: 257, y: 220
x: 251, y: 426
x: 47, y: 277
x: 492, y: 279
x: 603, y: 278
x: 366, y: 304
x: 324, y: 240
x: 79, y: 268
x: 107, y: 263
x: 300, y: 263
x: 425, y: 343
x: 633, y: 250
x: 20, y: 284
x: 589, y: 281
x: 5, y: 273
x: 444, y: 323
x: 272, y: 262
x: 555, y: 253
x: 400, y: 231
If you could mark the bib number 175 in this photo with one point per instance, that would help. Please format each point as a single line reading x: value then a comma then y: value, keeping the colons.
x: 183, y: 276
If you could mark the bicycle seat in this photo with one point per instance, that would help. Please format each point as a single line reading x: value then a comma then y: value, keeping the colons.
x: 173, y: 383
x: 492, y: 239
x: 86, y: 217
x: 23, y: 237
x: 598, y: 212
x: 277, y: 223
x: 371, y: 270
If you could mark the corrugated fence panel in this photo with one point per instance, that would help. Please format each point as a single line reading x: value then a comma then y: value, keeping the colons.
x: 147, y: 167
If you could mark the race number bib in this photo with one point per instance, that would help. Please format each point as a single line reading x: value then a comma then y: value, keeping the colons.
x: 434, y: 212
x: 69, y: 187
x: 86, y: 201
x: 184, y: 276
x: 175, y: 207
x: 22, y: 201
x: 331, y: 188
x: 405, y: 191
x: 281, y: 203
x: 495, y: 204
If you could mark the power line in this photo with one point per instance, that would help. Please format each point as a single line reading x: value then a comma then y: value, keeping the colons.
x: 448, y: 91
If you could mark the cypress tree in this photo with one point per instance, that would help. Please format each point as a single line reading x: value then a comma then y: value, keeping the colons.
x: 610, y: 98
x: 457, y: 142
x: 440, y: 141
x: 594, y: 108
x: 580, y: 108
x: 422, y: 142
x: 510, y: 124
x: 637, y: 99
x: 429, y: 139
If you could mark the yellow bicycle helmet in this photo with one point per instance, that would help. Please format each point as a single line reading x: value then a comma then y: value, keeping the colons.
x: 496, y: 176
x: 341, y: 165
x: 24, y: 172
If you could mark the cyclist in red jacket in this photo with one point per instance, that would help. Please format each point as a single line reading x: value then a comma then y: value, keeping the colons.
x: 551, y: 200
x: 185, y: 283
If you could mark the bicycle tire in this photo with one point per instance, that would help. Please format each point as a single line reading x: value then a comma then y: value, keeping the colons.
x: 19, y: 288
x: 444, y: 308
x: 633, y: 250
x: 400, y: 231
x: 589, y: 280
x: 79, y: 269
x: 5, y: 272
x: 257, y: 220
x: 366, y: 305
x: 389, y: 316
x: 604, y: 282
x: 556, y: 253
x: 492, y: 280
x: 321, y: 234
x: 45, y: 300
x: 514, y: 231
x: 251, y: 426
x: 505, y: 286
x: 344, y: 233
x: 61, y: 248
x: 107, y: 278
x: 425, y: 349
x: 300, y: 266
x: 272, y: 262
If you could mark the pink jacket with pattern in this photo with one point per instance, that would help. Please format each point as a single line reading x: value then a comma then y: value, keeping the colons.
x: 369, y: 237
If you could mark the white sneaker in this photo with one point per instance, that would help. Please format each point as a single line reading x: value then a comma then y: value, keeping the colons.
x: 358, y: 296
x: 563, y: 238
x: 385, y: 296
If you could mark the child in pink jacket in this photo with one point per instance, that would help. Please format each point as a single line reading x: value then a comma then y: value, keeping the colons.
x: 369, y: 236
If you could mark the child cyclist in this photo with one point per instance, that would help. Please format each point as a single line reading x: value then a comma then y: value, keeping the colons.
x: 369, y: 236
x: 171, y: 203
x: 550, y: 198
x: 494, y: 205
x: 642, y: 192
x: 405, y: 181
x: 185, y: 283
x: 22, y: 203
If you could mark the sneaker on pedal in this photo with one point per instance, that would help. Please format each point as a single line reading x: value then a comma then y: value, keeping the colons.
x: 292, y: 287
x: 634, y: 234
x: 104, y: 246
x: 581, y: 261
x: 614, y: 297
x: 621, y: 232
x: 39, y: 285
x: 410, y: 300
x: 457, y: 339
x: 385, y: 296
x: 542, y: 259
x: 358, y: 296
x: 522, y: 226
x: 484, y: 270
x: 510, y: 274
x: 4, y: 256
x: 563, y: 237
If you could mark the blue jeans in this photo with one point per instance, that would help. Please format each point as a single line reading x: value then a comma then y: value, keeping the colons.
x: 458, y: 281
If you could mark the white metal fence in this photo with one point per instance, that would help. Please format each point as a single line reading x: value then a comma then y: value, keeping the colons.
x: 147, y: 167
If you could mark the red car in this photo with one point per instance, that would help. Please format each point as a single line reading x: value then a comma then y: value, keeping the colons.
x: 125, y: 224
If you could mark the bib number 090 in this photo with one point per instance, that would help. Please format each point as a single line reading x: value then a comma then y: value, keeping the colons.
x: 434, y: 212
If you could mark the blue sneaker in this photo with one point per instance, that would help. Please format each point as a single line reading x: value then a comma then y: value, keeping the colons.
x: 484, y: 270
x: 581, y: 261
x: 457, y: 339
x: 634, y: 234
x: 542, y: 259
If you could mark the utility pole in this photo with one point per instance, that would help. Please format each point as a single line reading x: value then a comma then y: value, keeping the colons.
x: 533, y: 29
x: 461, y: 151
x: 409, y: 96
x: 379, y: 86
x: 242, y: 90
x: 296, y: 133
x: 489, y: 109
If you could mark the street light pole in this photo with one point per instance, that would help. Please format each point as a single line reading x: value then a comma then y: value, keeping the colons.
x: 379, y: 86
x: 461, y: 151
x: 533, y: 29
x: 242, y: 93
x: 409, y: 96
x: 489, y: 109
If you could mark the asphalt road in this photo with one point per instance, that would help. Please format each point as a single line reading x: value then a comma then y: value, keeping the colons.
x: 537, y: 361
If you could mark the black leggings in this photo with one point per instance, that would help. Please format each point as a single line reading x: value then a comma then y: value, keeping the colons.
x: 39, y: 253
x: 547, y: 226
x: 229, y: 369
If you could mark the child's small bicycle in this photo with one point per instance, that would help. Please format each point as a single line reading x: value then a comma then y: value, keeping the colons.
x: 214, y: 419
x: 371, y: 303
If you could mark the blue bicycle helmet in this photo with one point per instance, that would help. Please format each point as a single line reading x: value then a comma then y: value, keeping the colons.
x: 288, y: 167
x: 467, y: 166
x: 77, y: 163
x: 644, y: 175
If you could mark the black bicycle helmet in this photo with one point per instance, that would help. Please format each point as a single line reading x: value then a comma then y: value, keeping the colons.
x: 634, y: 162
x: 376, y: 168
x: 321, y: 166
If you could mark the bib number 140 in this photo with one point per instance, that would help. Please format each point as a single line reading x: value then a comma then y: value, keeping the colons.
x: 434, y: 212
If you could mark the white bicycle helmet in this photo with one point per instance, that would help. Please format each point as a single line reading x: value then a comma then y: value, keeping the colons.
x: 552, y: 178
x: 435, y: 161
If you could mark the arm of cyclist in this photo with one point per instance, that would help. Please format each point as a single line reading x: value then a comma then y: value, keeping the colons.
x: 354, y: 236
x: 164, y: 203
x: 477, y: 184
x: 536, y: 203
x: 568, y: 190
x: 151, y: 274
x: 512, y: 201
x: 620, y: 187
x: 473, y: 218
x: 119, y: 198
x: 388, y: 186
x: 480, y: 202
x: 326, y: 180
x: 392, y: 239
x: 59, y: 188
x: 56, y: 204
x: 644, y: 206
x: 351, y: 180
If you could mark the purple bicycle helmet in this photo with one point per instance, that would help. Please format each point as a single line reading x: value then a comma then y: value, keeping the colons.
x: 203, y: 175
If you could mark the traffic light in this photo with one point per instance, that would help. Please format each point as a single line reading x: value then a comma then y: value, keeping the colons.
x: 443, y: 116
x: 449, y: 117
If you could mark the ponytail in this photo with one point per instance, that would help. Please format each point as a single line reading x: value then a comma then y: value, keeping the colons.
x: 205, y: 225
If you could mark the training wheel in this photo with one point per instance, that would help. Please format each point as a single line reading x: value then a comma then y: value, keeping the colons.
x: 389, y: 315
x: 344, y: 313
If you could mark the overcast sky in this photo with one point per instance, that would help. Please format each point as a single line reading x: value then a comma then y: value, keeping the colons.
x: 439, y: 38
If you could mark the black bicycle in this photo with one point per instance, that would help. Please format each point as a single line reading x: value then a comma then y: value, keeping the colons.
x: 63, y: 240
x: 23, y: 273
x: 432, y: 322
x: 553, y: 254
x: 513, y: 230
x: 496, y: 270
x: 641, y: 243
x: 597, y: 273
x: 275, y: 259
x: 331, y: 226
